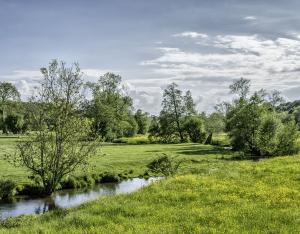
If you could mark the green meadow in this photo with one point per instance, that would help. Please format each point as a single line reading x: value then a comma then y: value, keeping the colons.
x: 212, y: 193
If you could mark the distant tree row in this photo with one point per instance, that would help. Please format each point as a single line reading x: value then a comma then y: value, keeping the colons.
x: 66, y: 127
x: 249, y: 119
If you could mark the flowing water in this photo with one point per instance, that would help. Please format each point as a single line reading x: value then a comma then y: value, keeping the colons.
x: 68, y: 198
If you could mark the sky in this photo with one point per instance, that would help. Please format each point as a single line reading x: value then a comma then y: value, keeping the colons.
x: 202, y: 45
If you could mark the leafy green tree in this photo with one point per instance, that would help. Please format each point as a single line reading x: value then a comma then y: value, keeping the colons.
x: 110, y: 108
x: 190, y: 106
x: 15, y: 124
x: 296, y: 114
x: 154, y: 129
x: 256, y: 128
x: 194, y: 127
x: 8, y: 92
x: 175, y: 108
x: 59, y: 145
x: 214, y: 123
x: 142, y: 120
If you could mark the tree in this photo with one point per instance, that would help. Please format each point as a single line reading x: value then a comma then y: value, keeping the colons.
x: 214, y: 123
x: 14, y: 123
x: 296, y: 114
x: 240, y: 87
x: 190, y: 106
x: 8, y: 92
x: 275, y: 99
x: 59, y: 146
x: 173, y: 109
x: 142, y: 120
x: 256, y: 128
x: 194, y: 127
x: 154, y: 129
x: 110, y: 109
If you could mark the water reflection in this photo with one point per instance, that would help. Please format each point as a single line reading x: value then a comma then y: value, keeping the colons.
x: 68, y: 198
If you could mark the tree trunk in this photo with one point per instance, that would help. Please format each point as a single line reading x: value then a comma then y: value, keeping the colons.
x: 209, y: 139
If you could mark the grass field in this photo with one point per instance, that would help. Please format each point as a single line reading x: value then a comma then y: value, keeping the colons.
x: 211, y: 194
x: 118, y: 158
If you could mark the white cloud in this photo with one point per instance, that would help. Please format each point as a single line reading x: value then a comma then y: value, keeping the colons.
x: 250, y: 18
x: 191, y: 34
x: 27, y: 80
x: 270, y: 63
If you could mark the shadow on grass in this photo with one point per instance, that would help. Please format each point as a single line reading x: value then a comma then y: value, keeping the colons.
x: 203, y: 150
x: 246, y: 158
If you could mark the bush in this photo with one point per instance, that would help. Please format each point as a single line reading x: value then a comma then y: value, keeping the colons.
x: 14, y: 124
x: 31, y: 190
x: 109, y: 177
x: 259, y: 131
x: 7, y: 189
x: 70, y: 183
x: 287, y: 139
x: 164, y: 165
x: 194, y: 128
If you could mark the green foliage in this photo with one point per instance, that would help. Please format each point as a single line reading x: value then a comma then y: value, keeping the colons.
x: 8, y: 94
x: 110, y: 109
x: 257, y: 129
x: 14, y: 124
x: 175, y: 108
x: 136, y: 140
x: 142, y: 119
x: 154, y: 129
x: 287, y: 139
x: 296, y: 114
x: 7, y: 189
x: 165, y: 165
x: 215, y: 123
x: 59, y: 145
x: 194, y: 127
x: 109, y: 177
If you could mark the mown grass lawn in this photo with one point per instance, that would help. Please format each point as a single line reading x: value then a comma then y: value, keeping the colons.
x: 211, y: 194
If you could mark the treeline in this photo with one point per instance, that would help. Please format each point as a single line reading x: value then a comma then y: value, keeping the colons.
x: 257, y: 124
x: 66, y: 128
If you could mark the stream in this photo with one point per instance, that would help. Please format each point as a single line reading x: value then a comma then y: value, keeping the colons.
x: 69, y: 198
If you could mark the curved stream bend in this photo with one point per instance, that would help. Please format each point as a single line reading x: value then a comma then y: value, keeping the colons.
x: 69, y: 198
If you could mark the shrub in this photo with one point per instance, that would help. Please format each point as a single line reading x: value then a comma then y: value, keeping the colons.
x: 31, y: 190
x: 108, y: 177
x: 70, y: 183
x: 164, y: 165
x: 7, y: 189
x: 194, y: 127
x: 287, y: 139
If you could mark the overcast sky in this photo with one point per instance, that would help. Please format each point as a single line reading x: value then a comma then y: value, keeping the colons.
x: 203, y: 45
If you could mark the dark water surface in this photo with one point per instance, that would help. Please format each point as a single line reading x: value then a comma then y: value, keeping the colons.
x: 68, y: 198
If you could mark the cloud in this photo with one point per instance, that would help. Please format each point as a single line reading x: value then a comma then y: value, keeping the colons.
x: 270, y: 63
x: 27, y: 80
x: 191, y: 35
x: 91, y: 74
x: 250, y: 18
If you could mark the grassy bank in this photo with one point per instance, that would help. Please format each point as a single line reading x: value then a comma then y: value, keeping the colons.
x: 213, y: 193
x: 230, y: 197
